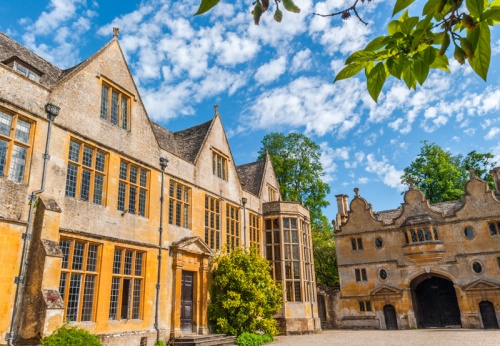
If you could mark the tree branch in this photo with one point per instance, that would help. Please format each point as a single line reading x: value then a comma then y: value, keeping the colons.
x: 346, y: 13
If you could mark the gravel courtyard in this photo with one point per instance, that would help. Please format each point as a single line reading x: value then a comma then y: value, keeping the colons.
x: 437, y: 337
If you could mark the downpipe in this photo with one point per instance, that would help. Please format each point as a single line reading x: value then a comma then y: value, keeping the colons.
x: 52, y: 112
x: 163, y: 165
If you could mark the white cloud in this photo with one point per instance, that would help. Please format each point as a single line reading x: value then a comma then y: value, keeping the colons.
x: 363, y: 180
x: 389, y: 175
x: 271, y: 71
x: 301, y: 61
x: 492, y: 133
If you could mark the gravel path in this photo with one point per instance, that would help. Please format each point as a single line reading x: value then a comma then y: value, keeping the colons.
x: 435, y: 337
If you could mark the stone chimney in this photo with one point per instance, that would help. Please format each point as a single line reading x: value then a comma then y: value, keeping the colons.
x: 495, y: 172
x: 342, y: 207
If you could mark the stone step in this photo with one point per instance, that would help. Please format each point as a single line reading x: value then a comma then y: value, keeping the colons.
x: 205, y: 340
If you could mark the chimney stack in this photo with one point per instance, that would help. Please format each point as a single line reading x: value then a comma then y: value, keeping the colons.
x: 342, y: 201
x: 495, y: 172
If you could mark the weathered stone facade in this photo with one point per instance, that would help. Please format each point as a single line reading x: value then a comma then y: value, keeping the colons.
x: 422, y: 265
x: 93, y: 244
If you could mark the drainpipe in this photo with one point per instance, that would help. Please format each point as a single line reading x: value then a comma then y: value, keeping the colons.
x: 244, y: 202
x: 52, y: 112
x: 163, y: 165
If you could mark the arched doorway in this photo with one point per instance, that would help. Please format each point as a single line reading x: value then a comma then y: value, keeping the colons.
x: 488, y: 315
x: 391, y: 322
x: 435, y: 302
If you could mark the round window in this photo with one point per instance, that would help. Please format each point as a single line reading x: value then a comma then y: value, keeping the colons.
x: 383, y: 274
x: 379, y: 243
x: 469, y: 233
x: 477, y: 267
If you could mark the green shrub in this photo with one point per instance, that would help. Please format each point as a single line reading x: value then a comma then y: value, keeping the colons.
x: 251, y: 339
x: 71, y: 336
x: 160, y: 343
x: 244, y: 297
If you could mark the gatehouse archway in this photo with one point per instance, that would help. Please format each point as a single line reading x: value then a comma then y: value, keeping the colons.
x: 435, y: 302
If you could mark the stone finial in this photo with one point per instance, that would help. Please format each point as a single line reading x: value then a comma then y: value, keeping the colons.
x: 216, y: 107
x: 356, y: 191
x: 472, y: 172
x: 116, y: 31
x: 411, y: 181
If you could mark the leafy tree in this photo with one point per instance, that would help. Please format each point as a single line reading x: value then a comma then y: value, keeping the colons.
x: 244, y: 297
x: 414, y: 44
x: 325, y: 258
x: 441, y: 176
x: 296, y: 162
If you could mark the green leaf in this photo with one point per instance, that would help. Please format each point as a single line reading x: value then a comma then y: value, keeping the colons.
x: 481, y: 61
x: 409, y: 76
x: 376, y: 80
x: 408, y: 25
x: 369, y: 68
x: 348, y: 71
x: 441, y: 62
x: 290, y: 6
x: 394, y: 27
x: 493, y: 13
x: 394, y: 66
x: 358, y: 56
x: 430, y: 7
x: 376, y: 43
x: 205, y: 6
x: 421, y: 69
x: 429, y: 55
x: 475, y: 7
x: 401, y: 5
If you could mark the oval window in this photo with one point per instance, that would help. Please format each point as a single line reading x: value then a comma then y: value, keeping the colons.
x: 477, y: 267
x: 469, y: 233
x: 383, y: 274
x: 379, y: 242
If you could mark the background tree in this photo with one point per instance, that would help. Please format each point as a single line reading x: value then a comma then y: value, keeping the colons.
x: 244, y: 297
x: 441, y: 176
x: 296, y: 162
x: 325, y: 258
x: 414, y: 44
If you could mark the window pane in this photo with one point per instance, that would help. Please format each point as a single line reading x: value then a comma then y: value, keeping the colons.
x: 293, y: 223
x: 144, y: 178
x: 138, y: 264
x: 104, y: 102
x: 171, y: 213
x: 121, y: 196
x: 99, y: 161
x: 137, y: 299
x: 85, y: 186
x: 78, y: 256
x: 297, y: 291
x: 62, y: 284
x: 125, y: 303
x: 492, y: 228
x: 186, y: 216
x: 88, y: 298
x: 87, y: 156
x: 22, y: 131
x: 178, y: 211
x: 98, y: 185
x: 114, y: 108
x: 17, y: 164
x: 142, y: 202
x: 179, y: 192
x: 92, y: 258
x: 3, y: 156
x: 74, y: 151
x: 5, y: 124
x: 127, y: 268
x: 65, y: 247
x: 117, y: 262
x: 131, y: 199
x: 186, y: 195
x: 123, y: 171
x: 124, y: 113
x: 133, y: 174
x: 113, y: 303
x: 172, y: 189
x: 73, y: 297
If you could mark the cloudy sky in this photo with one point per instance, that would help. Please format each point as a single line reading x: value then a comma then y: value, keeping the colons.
x: 275, y: 77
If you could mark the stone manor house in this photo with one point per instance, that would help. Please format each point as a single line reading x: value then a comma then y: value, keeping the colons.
x: 420, y: 266
x: 109, y: 221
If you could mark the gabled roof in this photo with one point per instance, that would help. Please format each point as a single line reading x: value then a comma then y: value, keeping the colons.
x: 186, y: 143
x: 251, y: 175
x: 11, y: 49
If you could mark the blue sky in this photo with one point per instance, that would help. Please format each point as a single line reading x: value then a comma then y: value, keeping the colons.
x: 275, y: 77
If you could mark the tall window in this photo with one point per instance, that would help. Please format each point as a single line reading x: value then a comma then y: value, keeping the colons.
x: 232, y: 227
x: 212, y: 222
x: 219, y: 165
x: 127, y: 285
x: 78, y: 280
x: 254, y: 228
x: 308, y: 262
x: 357, y: 244
x: 133, y: 189
x: 494, y: 228
x: 292, y: 259
x: 273, y: 247
x: 272, y: 193
x: 86, y: 174
x: 115, y: 106
x: 15, y: 146
x: 360, y: 274
x: 365, y: 305
x: 178, y: 205
x: 420, y: 235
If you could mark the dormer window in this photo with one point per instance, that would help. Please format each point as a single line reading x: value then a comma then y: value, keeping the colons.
x: 23, y: 68
x: 219, y: 165
x: 421, y: 235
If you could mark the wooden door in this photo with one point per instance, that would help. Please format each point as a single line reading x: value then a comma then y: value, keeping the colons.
x: 488, y: 315
x: 391, y: 322
x: 187, y: 302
